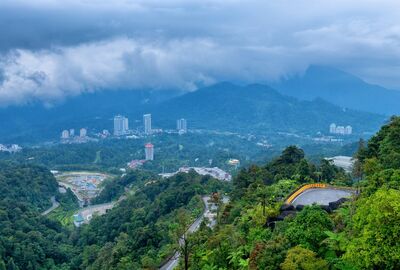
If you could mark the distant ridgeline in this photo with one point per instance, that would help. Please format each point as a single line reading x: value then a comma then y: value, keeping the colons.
x: 342, y: 89
x: 256, y: 109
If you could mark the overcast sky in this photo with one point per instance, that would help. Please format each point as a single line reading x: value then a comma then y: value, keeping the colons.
x: 52, y: 49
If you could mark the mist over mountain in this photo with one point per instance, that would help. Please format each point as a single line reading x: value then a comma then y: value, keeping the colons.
x: 225, y: 107
x: 342, y: 89
x: 260, y: 109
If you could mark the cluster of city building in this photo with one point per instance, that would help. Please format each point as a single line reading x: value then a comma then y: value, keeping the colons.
x: 121, y: 128
x: 13, y: 148
x: 213, y: 172
x: 121, y: 125
x: 341, y: 130
x: 69, y: 136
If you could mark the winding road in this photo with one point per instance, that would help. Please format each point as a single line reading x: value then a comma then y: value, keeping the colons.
x: 54, y: 206
x: 174, y: 260
x: 321, y: 196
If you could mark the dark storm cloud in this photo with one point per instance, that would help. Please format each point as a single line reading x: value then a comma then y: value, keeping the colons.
x: 51, y: 49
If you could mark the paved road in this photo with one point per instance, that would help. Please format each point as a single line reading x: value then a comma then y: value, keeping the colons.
x: 54, y: 206
x: 99, y: 209
x: 321, y: 196
x: 174, y: 260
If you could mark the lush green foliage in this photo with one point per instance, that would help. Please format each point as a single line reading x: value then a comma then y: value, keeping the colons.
x: 362, y: 234
x: 137, y: 233
x: 28, y: 240
x: 242, y: 240
x: 114, y: 188
x: 376, y: 226
x: 28, y: 184
x: 302, y: 258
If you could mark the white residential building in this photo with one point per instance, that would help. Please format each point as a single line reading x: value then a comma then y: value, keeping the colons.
x: 72, y: 132
x: 147, y: 124
x: 83, y: 132
x: 342, y: 130
x: 65, y: 134
x: 332, y: 128
x: 121, y: 125
x: 348, y: 130
x: 181, y: 125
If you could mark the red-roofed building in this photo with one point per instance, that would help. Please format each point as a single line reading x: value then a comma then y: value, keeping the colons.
x: 149, y: 151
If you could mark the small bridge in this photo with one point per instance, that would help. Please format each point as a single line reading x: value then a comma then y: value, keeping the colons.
x: 318, y: 193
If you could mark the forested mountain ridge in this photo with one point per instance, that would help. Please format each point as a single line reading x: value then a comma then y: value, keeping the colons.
x: 260, y: 109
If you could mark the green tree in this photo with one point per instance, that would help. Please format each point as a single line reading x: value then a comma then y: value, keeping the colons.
x: 304, y: 171
x: 11, y: 265
x: 292, y: 154
x: 308, y: 227
x: 376, y: 224
x: 269, y: 255
x: 2, y: 265
x: 182, y: 239
x: 299, y: 258
x: 328, y: 171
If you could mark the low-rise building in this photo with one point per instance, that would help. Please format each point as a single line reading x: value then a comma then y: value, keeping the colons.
x: 213, y: 172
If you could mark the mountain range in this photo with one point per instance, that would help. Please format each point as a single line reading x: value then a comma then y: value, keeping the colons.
x: 254, y: 108
x: 342, y: 89
x: 260, y: 109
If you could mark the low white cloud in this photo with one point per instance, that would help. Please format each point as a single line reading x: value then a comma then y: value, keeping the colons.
x: 65, y: 48
x: 50, y: 75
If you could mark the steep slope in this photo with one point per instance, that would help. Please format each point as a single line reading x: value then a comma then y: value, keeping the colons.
x: 342, y: 89
x: 259, y: 108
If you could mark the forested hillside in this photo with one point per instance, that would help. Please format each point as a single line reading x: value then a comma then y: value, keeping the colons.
x: 361, y: 234
x: 28, y: 184
x: 140, y: 232
x: 136, y: 234
x: 28, y: 240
